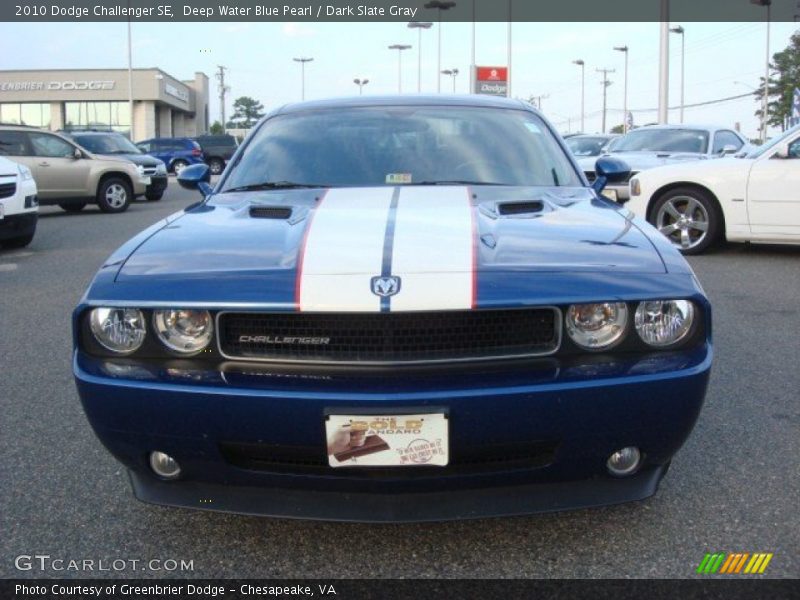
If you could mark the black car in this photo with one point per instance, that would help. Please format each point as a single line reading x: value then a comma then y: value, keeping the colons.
x: 218, y: 150
x: 111, y: 143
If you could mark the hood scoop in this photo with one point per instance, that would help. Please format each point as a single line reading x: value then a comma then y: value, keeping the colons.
x: 281, y: 213
x: 509, y: 209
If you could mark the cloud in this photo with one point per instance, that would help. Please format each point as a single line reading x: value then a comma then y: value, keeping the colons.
x: 297, y: 30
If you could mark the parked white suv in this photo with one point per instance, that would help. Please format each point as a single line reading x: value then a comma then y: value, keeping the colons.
x: 19, y: 207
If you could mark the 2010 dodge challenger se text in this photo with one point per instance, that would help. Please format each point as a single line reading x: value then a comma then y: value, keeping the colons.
x: 396, y: 309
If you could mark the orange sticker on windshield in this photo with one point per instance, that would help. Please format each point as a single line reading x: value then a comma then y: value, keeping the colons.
x: 398, y: 178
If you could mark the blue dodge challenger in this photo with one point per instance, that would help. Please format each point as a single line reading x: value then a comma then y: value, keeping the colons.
x: 395, y: 309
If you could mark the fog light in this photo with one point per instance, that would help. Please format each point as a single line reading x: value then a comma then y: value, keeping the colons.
x: 164, y: 465
x: 624, y: 461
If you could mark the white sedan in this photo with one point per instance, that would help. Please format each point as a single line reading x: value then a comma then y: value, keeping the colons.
x: 755, y: 198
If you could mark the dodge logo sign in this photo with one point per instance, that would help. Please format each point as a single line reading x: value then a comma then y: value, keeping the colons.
x: 385, y: 286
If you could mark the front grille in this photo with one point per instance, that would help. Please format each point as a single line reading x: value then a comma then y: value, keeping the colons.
x: 312, y: 460
x: 148, y: 171
x: 387, y: 338
x: 8, y: 189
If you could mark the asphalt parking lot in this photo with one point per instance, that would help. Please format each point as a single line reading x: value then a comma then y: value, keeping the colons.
x: 734, y: 486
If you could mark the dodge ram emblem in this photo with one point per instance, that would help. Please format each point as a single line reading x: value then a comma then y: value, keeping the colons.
x: 385, y: 286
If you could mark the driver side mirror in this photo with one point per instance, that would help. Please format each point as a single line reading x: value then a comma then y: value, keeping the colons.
x: 196, y: 177
x: 782, y: 150
x: 728, y: 149
x: 610, y: 170
x: 77, y: 153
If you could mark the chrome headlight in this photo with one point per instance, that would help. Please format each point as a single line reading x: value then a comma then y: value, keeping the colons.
x: 25, y: 173
x: 120, y: 330
x: 597, y: 326
x: 662, y: 323
x: 185, y: 331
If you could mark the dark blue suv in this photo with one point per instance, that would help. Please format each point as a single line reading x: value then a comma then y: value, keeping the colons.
x: 177, y: 153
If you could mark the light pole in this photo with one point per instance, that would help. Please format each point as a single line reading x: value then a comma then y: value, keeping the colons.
x: 508, y: 62
x: 399, y: 48
x: 453, y: 73
x: 682, y: 32
x: 303, y: 60
x: 130, y: 78
x: 765, y: 98
x: 663, y: 65
x: 624, y: 49
x: 440, y: 5
x: 360, y: 83
x: 419, y: 27
x: 582, y: 65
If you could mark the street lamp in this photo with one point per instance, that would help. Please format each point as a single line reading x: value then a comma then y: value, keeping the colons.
x: 681, y: 32
x: 582, y: 65
x: 399, y: 48
x: 624, y: 49
x: 360, y: 83
x: 453, y: 73
x: 440, y: 5
x: 302, y: 60
x: 765, y: 98
x: 419, y: 26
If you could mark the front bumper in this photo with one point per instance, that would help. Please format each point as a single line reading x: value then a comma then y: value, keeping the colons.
x: 578, y: 414
x: 18, y: 225
x: 158, y: 183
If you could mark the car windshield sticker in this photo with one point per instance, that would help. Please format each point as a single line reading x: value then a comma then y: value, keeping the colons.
x: 398, y: 178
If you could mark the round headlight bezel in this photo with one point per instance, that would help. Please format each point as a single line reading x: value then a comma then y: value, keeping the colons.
x: 100, y: 333
x: 685, y: 332
x: 604, y: 339
x: 177, y: 342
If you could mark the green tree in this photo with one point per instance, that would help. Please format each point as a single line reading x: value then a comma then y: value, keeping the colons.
x: 246, y: 111
x: 785, y: 77
x: 216, y: 128
x: 618, y: 128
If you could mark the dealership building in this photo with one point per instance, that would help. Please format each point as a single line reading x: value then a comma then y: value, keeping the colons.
x: 163, y: 106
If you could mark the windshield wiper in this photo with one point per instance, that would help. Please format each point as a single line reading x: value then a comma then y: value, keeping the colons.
x: 454, y: 182
x: 275, y: 185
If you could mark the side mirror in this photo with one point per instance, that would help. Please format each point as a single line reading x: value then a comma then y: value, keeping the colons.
x: 196, y: 177
x: 76, y: 153
x: 729, y: 149
x: 610, y: 170
x: 782, y: 150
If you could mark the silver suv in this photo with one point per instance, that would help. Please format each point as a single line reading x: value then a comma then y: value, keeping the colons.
x: 69, y: 175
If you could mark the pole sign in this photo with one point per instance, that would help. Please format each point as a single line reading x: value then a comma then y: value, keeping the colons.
x: 492, y: 81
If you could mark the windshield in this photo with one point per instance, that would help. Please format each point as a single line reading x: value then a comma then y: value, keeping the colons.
x: 424, y: 145
x: 774, y: 142
x: 663, y: 140
x: 107, y: 144
x: 586, y: 146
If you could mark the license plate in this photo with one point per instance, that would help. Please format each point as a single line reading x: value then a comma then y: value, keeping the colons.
x: 610, y: 194
x: 387, y: 440
x: 146, y: 180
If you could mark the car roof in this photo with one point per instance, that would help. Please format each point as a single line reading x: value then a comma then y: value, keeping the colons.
x: 407, y: 100
x: 683, y: 126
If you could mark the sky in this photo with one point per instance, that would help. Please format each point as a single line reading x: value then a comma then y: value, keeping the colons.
x: 722, y: 60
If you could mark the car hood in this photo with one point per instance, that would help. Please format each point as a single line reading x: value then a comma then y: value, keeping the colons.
x: 640, y: 161
x: 354, y: 232
x: 138, y: 159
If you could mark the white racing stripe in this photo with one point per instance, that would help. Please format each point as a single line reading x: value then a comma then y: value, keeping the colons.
x: 343, y: 251
x: 434, y: 249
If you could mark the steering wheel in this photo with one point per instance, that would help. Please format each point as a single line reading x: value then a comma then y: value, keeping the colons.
x: 494, y: 166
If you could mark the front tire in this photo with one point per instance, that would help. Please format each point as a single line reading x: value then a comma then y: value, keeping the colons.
x: 689, y: 218
x: 154, y: 197
x: 114, y: 195
x: 178, y: 166
x: 72, y: 207
x: 216, y: 166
